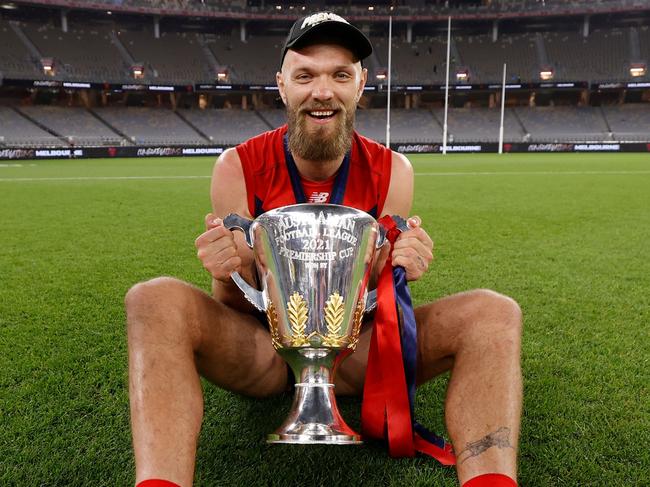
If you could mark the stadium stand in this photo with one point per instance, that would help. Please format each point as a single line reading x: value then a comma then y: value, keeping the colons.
x: 16, y: 61
x: 485, y: 58
x: 602, y: 56
x: 421, y: 61
x: 644, y: 45
x: 150, y: 126
x: 76, y: 125
x: 81, y: 54
x: 629, y: 123
x: 103, y: 53
x: 16, y: 130
x: 172, y: 58
x: 407, y: 126
x: 493, y: 7
x: 564, y: 124
x: 480, y: 125
x: 226, y: 126
x: 192, y: 50
x: 274, y: 117
x: 262, y: 55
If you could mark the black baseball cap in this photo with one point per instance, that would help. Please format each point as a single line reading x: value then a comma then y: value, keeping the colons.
x: 330, y: 26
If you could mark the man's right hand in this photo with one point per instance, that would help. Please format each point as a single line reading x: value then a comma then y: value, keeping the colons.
x: 217, y: 249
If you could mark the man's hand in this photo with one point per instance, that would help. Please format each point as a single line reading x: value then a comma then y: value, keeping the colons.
x: 217, y: 249
x: 413, y: 250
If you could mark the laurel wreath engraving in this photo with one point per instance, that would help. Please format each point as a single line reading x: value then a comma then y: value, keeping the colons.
x: 272, y: 317
x: 334, y: 311
x: 297, y: 312
x: 357, y: 320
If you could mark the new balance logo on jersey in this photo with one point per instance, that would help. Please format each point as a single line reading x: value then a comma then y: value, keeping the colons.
x: 318, y: 197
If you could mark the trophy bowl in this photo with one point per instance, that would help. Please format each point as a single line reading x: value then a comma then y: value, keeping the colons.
x: 313, y: 263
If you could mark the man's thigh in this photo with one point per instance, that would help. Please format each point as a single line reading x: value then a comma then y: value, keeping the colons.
x: 234, y: 349
x: 440, y: 326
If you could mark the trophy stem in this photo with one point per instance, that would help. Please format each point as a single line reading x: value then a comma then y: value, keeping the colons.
x: 314, y: 417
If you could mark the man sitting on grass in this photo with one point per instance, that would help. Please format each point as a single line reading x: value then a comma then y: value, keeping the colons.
x: 177, y: 333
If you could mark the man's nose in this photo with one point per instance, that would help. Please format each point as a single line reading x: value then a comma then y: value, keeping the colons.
x: 322, y: 90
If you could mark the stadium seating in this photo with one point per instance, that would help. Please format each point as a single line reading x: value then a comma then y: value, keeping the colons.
x: 198, y: 7
x: 81, y: 54
x: 274, y: 117
x: 644, y: 46
x: 173, y: 58
x: 226, y: 126
x: 485, y: 58
x: 88, y: 52
x: 602, y: 56
x: 422, y: 61
x: 15, y: 59
x: 18, y: 131
x: 76, y: 125
x: 262, y: 55
x: 406, y: 126
x: 629, y: 123
x: 564, y: 124
x: 34, y: 126
x: 480, y: 125
x: 149, y: 126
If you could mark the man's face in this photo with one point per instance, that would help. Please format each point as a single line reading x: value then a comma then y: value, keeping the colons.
x: 320, y: 86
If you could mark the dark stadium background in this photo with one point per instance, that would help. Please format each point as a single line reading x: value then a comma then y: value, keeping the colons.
x: 186, y: 77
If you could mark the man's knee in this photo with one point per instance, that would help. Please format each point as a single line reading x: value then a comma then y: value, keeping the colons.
x: 156, y: 305
x: 495, y: 315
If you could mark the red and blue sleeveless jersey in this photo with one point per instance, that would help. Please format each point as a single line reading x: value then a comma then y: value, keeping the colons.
x: 269, y: 183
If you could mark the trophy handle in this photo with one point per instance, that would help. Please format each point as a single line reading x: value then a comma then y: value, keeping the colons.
x: 252, y: 295
x: 402, y: 225
x: 234, y: 221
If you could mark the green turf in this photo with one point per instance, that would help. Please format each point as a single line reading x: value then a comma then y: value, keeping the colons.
x: 566, y: 235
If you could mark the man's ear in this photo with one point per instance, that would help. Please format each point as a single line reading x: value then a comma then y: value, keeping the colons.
x: 280, y: 82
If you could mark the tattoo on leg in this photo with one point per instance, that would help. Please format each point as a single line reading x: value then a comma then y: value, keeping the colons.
x: 499, y: 438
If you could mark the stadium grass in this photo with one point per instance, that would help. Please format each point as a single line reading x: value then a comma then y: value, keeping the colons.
x: 564, y: 234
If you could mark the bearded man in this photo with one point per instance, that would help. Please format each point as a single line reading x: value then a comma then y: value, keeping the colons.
x: 177, y: 333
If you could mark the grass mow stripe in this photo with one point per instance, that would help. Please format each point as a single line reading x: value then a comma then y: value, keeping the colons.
x: 529, y: 173
x: 103, y: 178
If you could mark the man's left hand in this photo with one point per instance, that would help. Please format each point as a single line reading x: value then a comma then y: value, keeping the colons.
x: 413, y: 250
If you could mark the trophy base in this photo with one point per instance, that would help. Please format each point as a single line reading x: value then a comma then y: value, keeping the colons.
x: 340, y: 439
x: 315, y: 419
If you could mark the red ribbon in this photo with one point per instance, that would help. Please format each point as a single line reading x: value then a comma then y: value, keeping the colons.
x: 385, y: 409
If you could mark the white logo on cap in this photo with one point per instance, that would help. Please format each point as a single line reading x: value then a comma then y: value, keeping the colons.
x: 321, y: 17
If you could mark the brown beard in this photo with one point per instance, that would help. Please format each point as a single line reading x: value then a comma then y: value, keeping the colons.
x: 317, y: 146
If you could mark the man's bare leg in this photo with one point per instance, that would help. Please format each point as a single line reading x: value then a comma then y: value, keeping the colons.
x: 177, y: 332
x: 477, y: 335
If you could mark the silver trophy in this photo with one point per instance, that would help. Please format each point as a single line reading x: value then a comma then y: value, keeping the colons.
x: 314, y: 264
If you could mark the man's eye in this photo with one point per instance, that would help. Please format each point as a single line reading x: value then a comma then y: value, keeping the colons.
x: 303, y: 77
x: 342, y: 75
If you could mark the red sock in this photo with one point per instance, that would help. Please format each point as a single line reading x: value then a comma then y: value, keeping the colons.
x: 157, y: 483
x: 491, y: 480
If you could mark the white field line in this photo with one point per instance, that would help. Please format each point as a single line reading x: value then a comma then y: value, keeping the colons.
x: 468, y: 173
x: 103, y: 178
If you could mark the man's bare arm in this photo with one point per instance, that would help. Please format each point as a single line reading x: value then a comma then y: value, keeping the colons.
x: 231, y: 253
x: 413, y: 249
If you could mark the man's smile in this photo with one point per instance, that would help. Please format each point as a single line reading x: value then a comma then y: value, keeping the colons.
x: 321, y: 116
